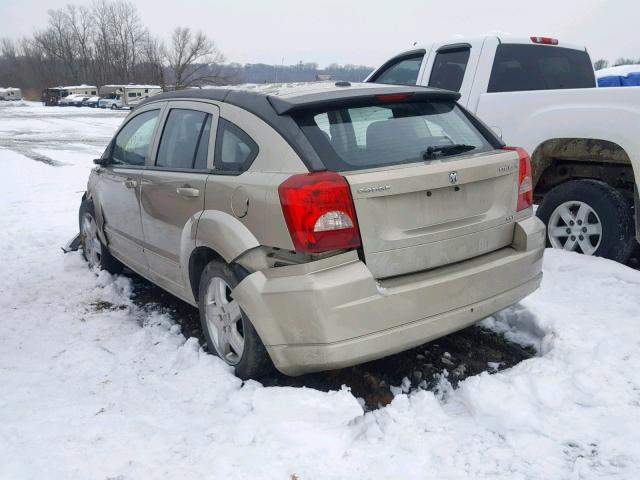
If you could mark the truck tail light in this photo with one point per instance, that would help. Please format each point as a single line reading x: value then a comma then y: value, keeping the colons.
x: 525, y: 179
x: 545, y: 40
x: 319, y: 212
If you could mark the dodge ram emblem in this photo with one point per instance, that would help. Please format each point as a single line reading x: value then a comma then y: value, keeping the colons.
x: 453, y: 177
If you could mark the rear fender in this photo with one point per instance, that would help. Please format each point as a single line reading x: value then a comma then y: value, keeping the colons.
x: 224, y: 234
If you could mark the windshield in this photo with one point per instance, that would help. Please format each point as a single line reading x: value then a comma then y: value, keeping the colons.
x: 360, y: 137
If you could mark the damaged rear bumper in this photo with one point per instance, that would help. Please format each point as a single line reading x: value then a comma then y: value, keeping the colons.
x: 332, y: 313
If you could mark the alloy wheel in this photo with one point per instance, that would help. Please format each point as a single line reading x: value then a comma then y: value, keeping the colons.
x: 575, y: 226
x: 224, y: 321
x: 90, y: 241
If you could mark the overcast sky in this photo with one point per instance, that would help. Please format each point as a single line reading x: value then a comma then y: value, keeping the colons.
x: 364, y: 32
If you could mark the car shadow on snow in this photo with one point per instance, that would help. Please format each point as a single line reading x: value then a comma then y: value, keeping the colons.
x: 447, y: 360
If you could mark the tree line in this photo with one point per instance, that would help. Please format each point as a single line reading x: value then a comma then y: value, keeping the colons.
x: 602, y: 63
x: 105, y: 43
x: 108, y: 43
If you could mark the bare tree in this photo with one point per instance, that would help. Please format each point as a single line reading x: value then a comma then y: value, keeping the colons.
x: 81, y: 28
x: 57, y: 41
x: 151, y: 68
x: 192, y: 59
x: 9, y: 64
x: 600, y: 64
x: 119, y: 40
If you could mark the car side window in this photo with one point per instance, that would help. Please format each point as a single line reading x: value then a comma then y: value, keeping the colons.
x: 403, y: 72
x: 132, y: 143
x: 448, y: 69
x: 235, y: 150
x: 181, y: 143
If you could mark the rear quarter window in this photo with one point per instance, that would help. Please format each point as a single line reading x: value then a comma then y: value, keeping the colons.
x: 519, y: 67
x: 235, y: 149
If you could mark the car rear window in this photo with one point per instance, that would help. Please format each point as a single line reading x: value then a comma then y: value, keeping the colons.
x: 370, y: 136
x: 519, y: 67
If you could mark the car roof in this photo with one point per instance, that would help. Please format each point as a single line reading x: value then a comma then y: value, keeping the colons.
x: 289, y: 97
x: 274, y: 102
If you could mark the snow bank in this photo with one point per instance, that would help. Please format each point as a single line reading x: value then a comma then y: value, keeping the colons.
x: 94, y: 387
x: 620, y: 76
x: 619, y: 71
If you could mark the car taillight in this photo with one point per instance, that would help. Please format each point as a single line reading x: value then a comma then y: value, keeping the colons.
x: 545, y: 40
x: 319, y: 212
x: 525, y: 180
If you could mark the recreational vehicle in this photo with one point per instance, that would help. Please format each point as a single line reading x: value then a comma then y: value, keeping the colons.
x: 52, y: 96
x: 123, y: 96
x: 10, y: 94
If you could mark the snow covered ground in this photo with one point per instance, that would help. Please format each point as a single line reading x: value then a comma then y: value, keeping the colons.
x: 115, y: 392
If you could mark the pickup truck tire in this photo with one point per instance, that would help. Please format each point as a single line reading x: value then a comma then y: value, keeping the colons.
x: 94, y: 251
x: 229, y: 333
x: 113, y: 106
x: 575, y: 209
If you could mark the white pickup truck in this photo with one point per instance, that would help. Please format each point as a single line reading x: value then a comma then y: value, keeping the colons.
x: 541, y: 94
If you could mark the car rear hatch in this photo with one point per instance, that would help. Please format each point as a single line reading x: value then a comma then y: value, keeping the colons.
x: 422, y: 216
x: 430, y: 184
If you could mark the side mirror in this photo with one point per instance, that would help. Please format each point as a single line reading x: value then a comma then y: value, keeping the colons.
x: 103, y: 162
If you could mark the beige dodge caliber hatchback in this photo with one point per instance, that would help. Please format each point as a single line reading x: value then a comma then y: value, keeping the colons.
x: 318, y: 225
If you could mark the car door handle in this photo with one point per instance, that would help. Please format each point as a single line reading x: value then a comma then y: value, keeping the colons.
x: 130, y: 183
x: 188, y: 192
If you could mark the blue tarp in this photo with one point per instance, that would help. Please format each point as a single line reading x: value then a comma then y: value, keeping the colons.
x: 630, y: 80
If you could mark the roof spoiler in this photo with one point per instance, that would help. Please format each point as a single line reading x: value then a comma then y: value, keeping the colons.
x: 356, y: 97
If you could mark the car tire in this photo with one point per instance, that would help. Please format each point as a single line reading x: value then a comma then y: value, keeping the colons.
x: 94, y: 251
x: 113, y: 106
x: 224, y: 323
x: 603, y: 223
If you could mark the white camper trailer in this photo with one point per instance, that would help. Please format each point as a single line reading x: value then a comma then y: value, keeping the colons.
x: 10, y: 93
x: 53, y: 95
x: 122, y: 96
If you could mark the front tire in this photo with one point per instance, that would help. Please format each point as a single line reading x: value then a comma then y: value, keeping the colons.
x: 228, y: 331
x: 94, y: 251
x: 589, y: 217
x: 113, y: 106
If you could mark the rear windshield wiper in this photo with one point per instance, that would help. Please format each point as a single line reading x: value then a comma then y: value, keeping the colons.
x: 444, y: 150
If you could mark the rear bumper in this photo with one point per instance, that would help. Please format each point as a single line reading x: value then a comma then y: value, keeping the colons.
x: 332, y: 313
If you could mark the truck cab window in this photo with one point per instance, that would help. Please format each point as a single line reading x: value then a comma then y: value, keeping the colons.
x: 448, y: 69
x: 403, y: 72
x: 519, y: 67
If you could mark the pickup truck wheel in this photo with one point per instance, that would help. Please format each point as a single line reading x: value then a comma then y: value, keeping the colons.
x: 94, y: 251
x: 113, y: 106
x: 589, y: 217
x: 227, y: 329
